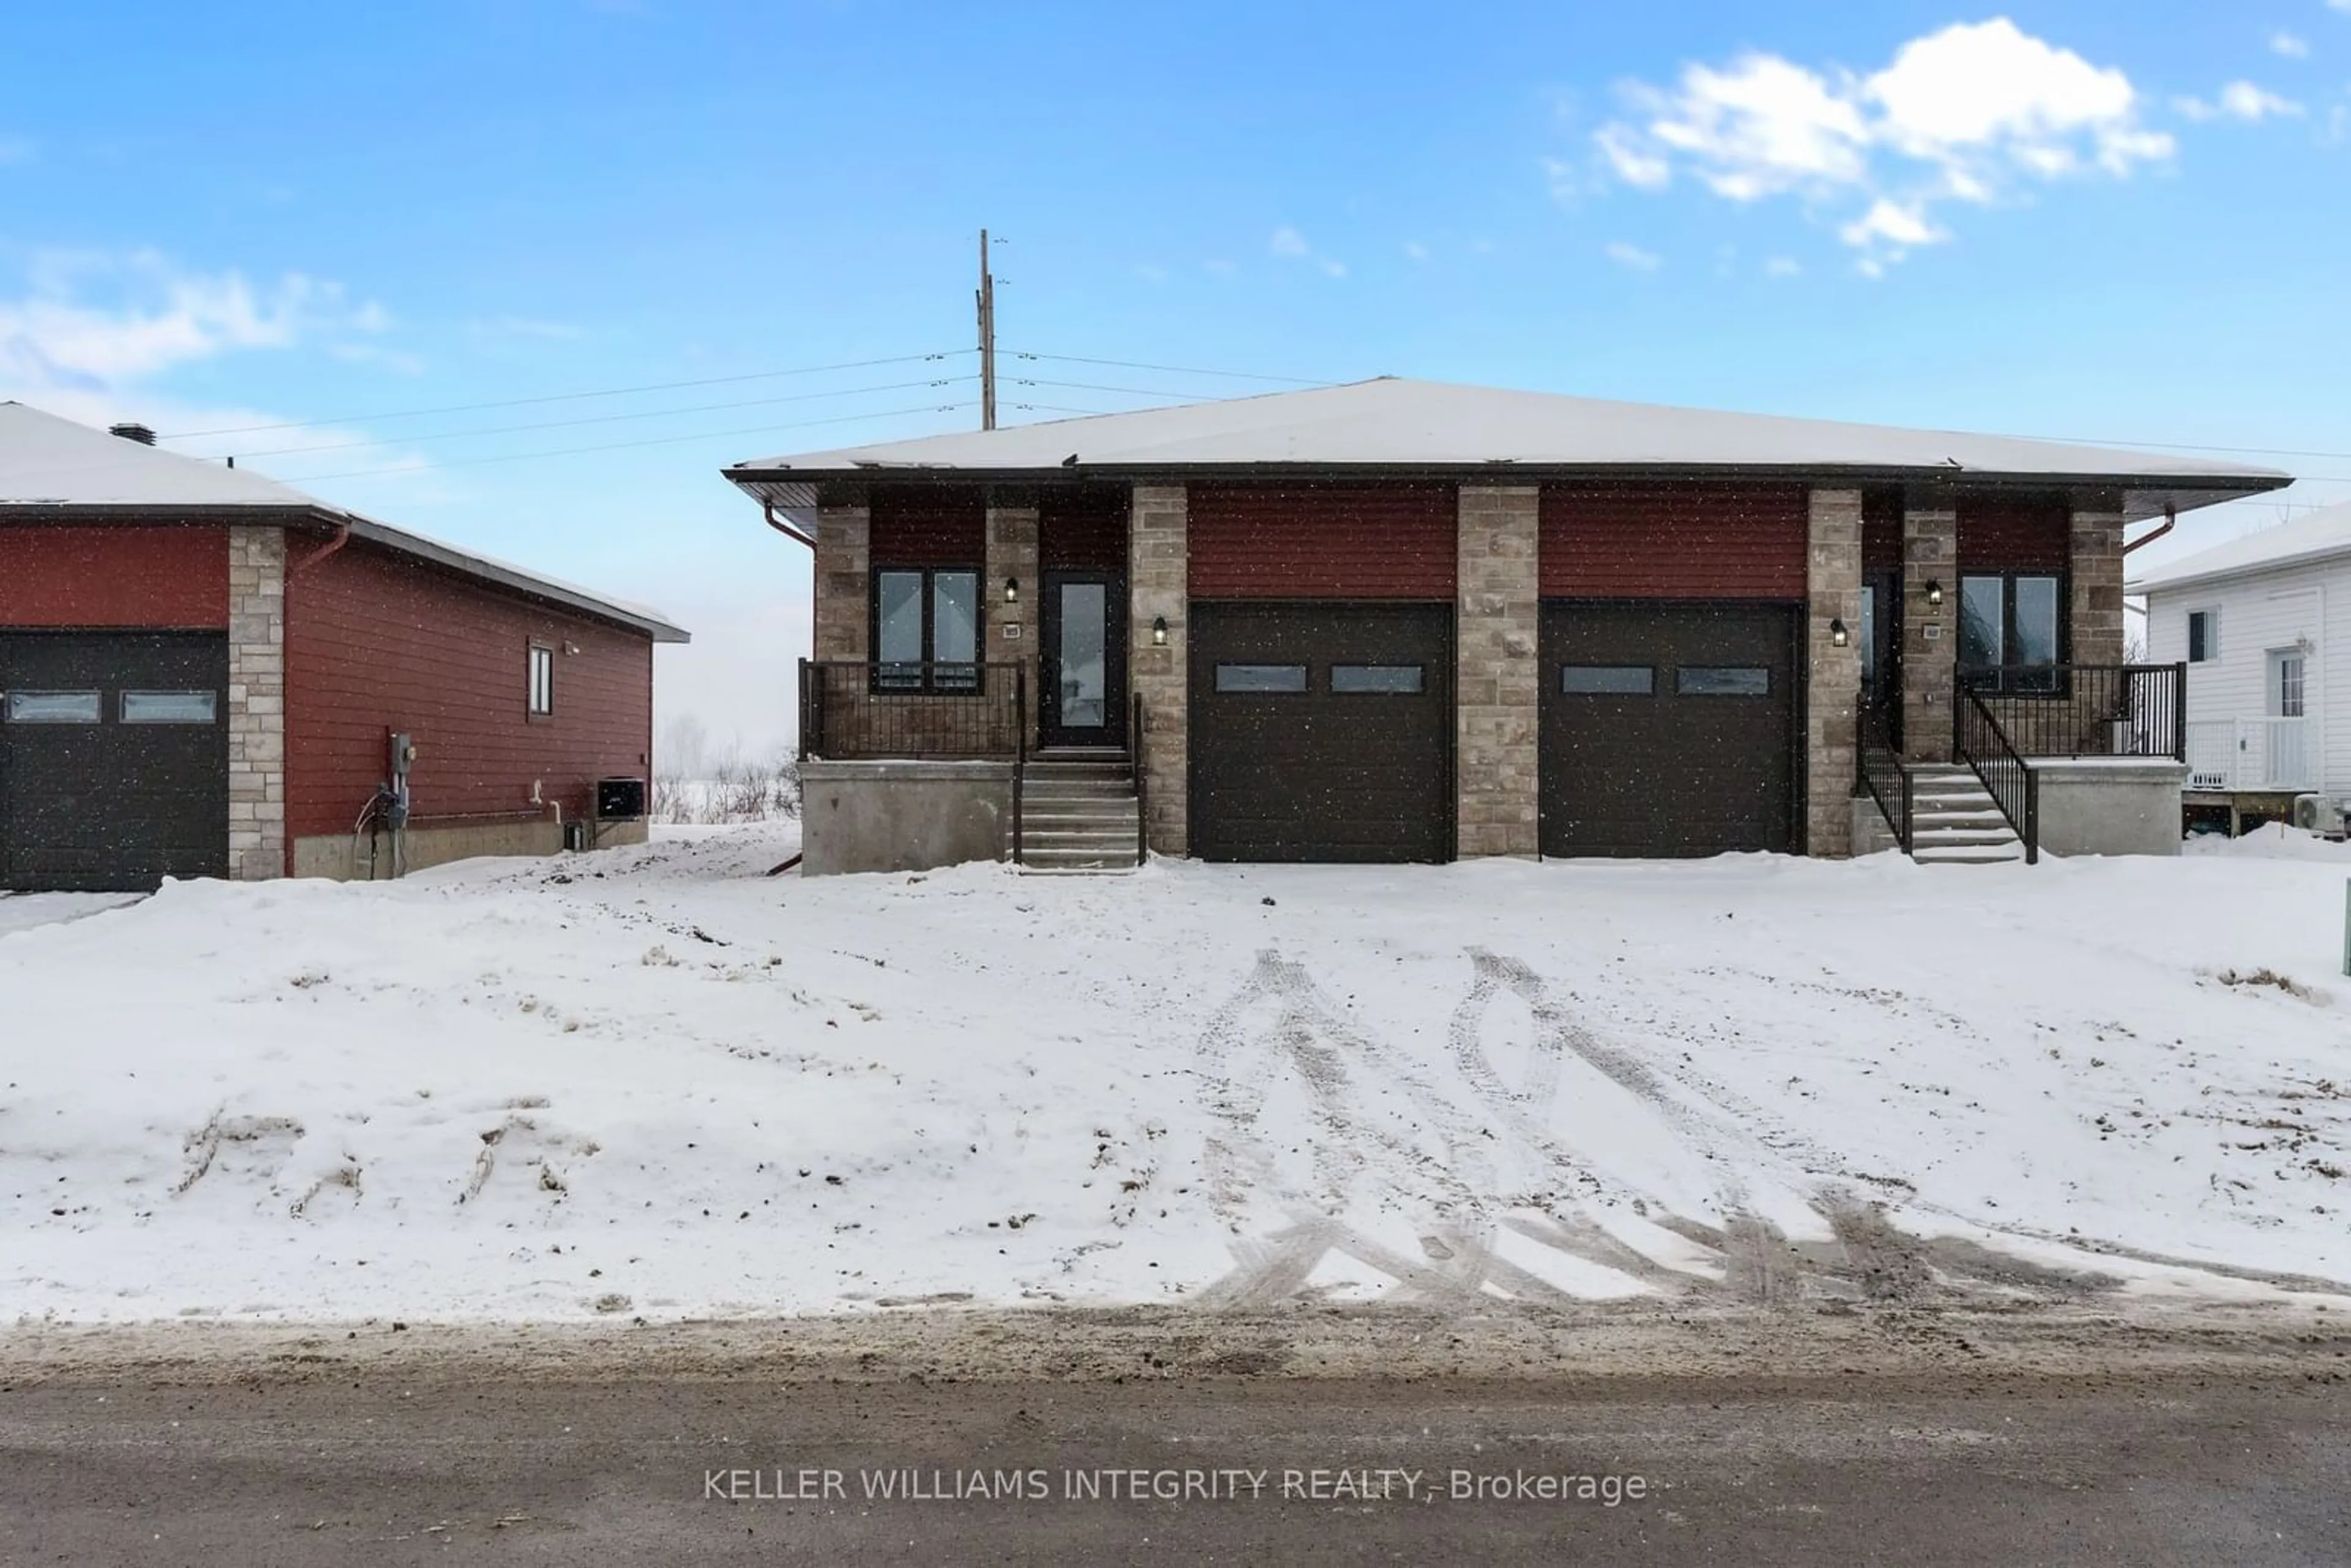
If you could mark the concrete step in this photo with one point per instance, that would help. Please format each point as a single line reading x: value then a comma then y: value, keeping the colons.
x: 1961, y: 838
x: 1036, y: 788
x: 1034, y: 837
x: 1118, y: 768
x: 1109, y: 816
x: 1064, y: 860
x: 1974, y: 855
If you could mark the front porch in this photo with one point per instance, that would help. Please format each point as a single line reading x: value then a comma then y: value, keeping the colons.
x: 2073, y: 758
x: 907, y: 766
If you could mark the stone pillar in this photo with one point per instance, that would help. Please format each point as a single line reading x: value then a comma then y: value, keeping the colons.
x: 1013, y: 629
x: 256, y: 702
x: 1158, y: 588
x: 2094, y: 615
x: 844, y: 556
x: 1497, y: 675
x: 1930, y: 637
x: 1832, y: 675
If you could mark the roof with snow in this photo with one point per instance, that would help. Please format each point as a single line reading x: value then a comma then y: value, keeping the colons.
x: 2324, y: 535
x: 1394, y: 425
x: 53, y: 470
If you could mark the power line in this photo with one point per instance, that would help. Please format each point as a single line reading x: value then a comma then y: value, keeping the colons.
x: 568, y: 397
x: 626, y: 445
x: 1137, y: 391
x: 616, y: 418
x: 1170, y: 369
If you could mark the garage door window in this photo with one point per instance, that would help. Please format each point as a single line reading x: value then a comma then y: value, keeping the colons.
x: 171, y: 707
x: 1607, y: 680
x: 1260, y: 677
x: 53, y: 707
x: 1722, y: 681
x: 1405, y: 679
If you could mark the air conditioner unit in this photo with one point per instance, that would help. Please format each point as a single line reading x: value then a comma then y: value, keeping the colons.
x: 2316, y: 814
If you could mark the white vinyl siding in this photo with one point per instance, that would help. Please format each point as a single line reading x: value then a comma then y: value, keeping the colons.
x: 2261, y: 613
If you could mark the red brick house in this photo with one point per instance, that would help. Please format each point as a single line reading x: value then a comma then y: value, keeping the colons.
x: 1400, y: 620
x: 201, y: 672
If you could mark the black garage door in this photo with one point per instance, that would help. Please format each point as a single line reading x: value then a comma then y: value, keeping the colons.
x: 1667, y: 730
x: 1321, y: 732
x: 114, y: 758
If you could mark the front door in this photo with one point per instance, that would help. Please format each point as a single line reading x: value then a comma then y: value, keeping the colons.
x: 1082, y: 667
x: 1881, y: 653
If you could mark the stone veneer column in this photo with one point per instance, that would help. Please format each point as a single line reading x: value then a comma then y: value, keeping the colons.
x: 1158, y: 586
x: 1931, y: 641
x: 844, y: 536
x: 1497, y: 674
x: 2094, y: 616
x: 256, y: 702
x: 1012, y: 553
x: 1832, y: 675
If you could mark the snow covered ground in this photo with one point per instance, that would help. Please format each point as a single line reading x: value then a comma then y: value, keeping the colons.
x: 654, y: 1082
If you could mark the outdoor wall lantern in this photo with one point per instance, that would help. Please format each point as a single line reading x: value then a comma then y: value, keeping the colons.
x: 1159, y: 632
x: 1838, y: 637
x: 1934, y: 594
x: 1011, y: 590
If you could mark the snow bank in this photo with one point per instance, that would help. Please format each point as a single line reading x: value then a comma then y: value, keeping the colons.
x: 655, y: 1082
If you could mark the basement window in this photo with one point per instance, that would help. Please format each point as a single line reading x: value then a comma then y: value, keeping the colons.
x: 53, y: 707
x: 542, y: 681
x: 171, y: 707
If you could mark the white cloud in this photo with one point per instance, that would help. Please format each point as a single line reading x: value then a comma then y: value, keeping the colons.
x: 1415, y: 251
x: 1633, y: 257
x: 2240, y: 100
x: 1959, y: 115
x: 1218, y: 267
x: 1289, y: 244
x: 1150, y: 272
x: 89, y: 320
x: 1893, y: 224
x: 1782, y: 267
x: 1645, y: 171
x: 2289, y: 45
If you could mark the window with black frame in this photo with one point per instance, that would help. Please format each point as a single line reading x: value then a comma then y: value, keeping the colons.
x: 925, y: 629
x: 2013, y: 622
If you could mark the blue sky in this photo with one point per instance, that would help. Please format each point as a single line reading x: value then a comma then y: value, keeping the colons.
x: 2125, y: 223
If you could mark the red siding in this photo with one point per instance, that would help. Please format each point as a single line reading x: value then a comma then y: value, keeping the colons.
x: 1324, y: 541
x: 1881, y: 531
x: 1082, y: 529
x: 175, y: 577
x: 375, y: 643
x: 2019, y: 534
x: 1673, y: 541
x: 927, y: 527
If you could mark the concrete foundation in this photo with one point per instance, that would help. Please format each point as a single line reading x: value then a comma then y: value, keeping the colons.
x: 2109, y: 806
x: 902, y: 816
x: 1870, y: 832
x: 330, y: 856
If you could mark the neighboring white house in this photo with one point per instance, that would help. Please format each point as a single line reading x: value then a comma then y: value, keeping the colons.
x: 2263, y: 624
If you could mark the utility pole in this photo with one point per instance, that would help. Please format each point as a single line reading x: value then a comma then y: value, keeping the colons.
x: 986, y: 338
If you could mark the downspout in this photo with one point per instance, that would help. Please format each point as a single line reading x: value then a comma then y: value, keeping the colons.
x: 343, y: 536
x: 2171, y: 521
x: 767, y: 509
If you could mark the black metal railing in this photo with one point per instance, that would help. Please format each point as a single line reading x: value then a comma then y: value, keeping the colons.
x: 967, y: 712
x: 1883, y: 777
x: 2085, y: 710
x: 1142, y: 783
x: 1983, y: 746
